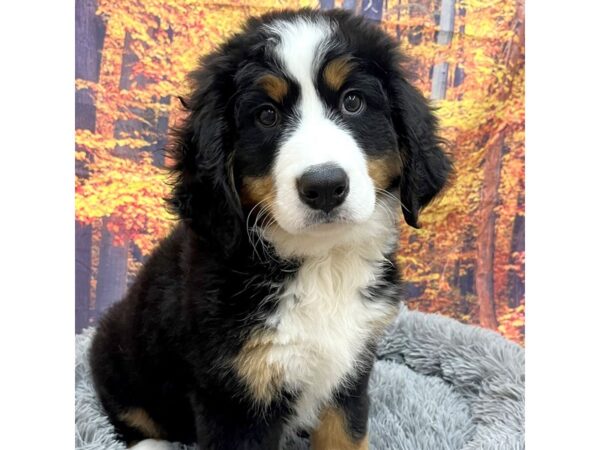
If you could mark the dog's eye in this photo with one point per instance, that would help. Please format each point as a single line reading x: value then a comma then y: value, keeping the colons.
x: 352, y: 103
x: 267, y: 116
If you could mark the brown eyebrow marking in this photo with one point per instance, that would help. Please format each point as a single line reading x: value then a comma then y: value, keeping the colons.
x: 275, y: 87
x: 337, y: 70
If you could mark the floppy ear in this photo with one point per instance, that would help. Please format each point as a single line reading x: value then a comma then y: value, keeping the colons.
x: 426, y: 166
x: 203, y: 193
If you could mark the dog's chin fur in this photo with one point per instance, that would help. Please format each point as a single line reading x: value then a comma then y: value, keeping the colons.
x: 232, y: 333
x: 373, y: 238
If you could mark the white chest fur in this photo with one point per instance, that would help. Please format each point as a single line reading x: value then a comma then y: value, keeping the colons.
x: 322, y: 326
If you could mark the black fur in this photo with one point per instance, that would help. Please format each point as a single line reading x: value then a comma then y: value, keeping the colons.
x: 166, y: 347
x: 427, y: 167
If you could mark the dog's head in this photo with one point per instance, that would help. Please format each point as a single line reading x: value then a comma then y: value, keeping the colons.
x: 303, y: 120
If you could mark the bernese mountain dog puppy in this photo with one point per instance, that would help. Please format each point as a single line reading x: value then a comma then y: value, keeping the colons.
x: 260, y: 313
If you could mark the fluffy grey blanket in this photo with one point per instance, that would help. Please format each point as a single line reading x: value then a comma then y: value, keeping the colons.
x: 438, y: 384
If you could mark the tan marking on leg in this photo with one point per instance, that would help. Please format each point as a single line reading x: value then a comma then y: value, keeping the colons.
x: 337, y: 70
x: 275, y: 87
x: 263, y: 378
x: 383, y: 170
x: 332, y: 433
x: 139, y: 419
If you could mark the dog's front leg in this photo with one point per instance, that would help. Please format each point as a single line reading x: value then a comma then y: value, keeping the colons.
x: 343, y: 424
x: 231, y: 425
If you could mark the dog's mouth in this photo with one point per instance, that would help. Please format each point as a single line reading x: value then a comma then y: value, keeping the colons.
x: 323, y: 218
x: 320, y: 221
x: 318, y: 224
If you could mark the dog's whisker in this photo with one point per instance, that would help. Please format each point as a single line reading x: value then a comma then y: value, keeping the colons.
x: 253, y: 229
x: 388, y: 194
x: 386, y: 207
x: 262, y: 238
x: 256, y: 231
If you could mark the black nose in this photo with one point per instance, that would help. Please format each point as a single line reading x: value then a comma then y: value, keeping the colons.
x: 323, y: 187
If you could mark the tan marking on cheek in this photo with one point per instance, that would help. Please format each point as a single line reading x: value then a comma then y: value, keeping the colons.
x: 139, y: 419
x: 332, y: 434
x: 263, y: 378
x: 383, y: 170
x: 275, y: 87
x: 256, y: 190
x: 336, y: 72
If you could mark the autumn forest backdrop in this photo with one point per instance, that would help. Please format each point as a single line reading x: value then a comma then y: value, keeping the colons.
x: 467, y: 56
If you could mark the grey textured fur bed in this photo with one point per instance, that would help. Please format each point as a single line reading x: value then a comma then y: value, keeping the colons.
x: 438, y: 384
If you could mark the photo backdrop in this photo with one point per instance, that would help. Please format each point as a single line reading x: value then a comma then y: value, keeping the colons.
x: 132, y: 56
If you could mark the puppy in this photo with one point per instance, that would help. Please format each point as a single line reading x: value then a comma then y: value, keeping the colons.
x: 260, y: 313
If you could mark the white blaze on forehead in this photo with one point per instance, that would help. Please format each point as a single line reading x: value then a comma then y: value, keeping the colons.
x: 302, y: 45
x: 316, y: 139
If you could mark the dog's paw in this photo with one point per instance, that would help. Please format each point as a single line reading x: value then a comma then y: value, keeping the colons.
x: 152, y: 444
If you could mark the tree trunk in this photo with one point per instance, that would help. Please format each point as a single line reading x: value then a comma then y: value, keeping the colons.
x: 89, y: 36
x: 459, y: 76
x: 113, y: 274
x: 484, y: 276
x: 326, y: 5
x: 112, y: 271
x: 398, y: 29
x: 484, y: 280
x: 162, y: 129
x: 465, y: 282
x: 417, y: 8
x: 372, y: 10
x: 83, y: 274
x: 351, y: 5
x: 459, y: 71
x: 516, y: 286
x: 444, y: 37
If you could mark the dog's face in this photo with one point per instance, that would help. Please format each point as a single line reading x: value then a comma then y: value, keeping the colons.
x: 305, y: 120
x: 320, y: 124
